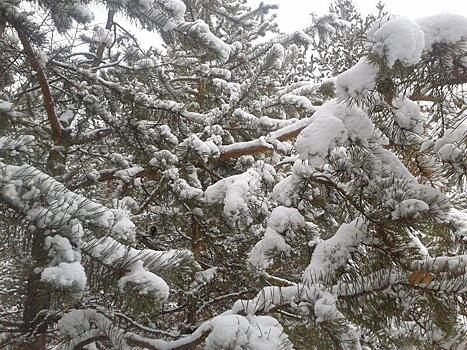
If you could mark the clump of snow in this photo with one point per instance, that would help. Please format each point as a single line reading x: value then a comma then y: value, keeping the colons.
x: 447, y: 28
x: 314, y: 142
x: 111, y: 252
x: 60, y: 250
x: 81, y: 13
x: 407, y: 115
x: 449, y: 146
x: 252, y: 332
x: 281, y: 224
x: 235, y: 192
x: 128, y: 174
x: 65, y: 275
x: 176, y: 8
x: 333, y: 124
x: 62, y: 205
x: 144, y: 281
x: 333, y: 253
x: 397, y: 39
x: 17, y: 144
x: 73, y: 323
x: 268, y: 298
x: 285, y: 192
x: 409, y: 208
x: 358, y: 81
x: 325, y: 307
x: 102, y: 36
x: 204, y: 149
x: 201, y: 33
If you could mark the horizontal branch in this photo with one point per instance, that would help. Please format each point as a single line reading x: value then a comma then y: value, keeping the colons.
x: 92, y: 136
x: 262, y: 144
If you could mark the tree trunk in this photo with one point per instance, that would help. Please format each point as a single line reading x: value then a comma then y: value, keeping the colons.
x: 37, y: 296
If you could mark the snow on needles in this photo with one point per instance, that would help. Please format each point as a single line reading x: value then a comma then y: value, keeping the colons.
x: 358, y: 81
x: 146, y: 281
x: 447, y: 28
x: 281, y: 224
x: 333, y: 124
x: 398, y: 39
x: 65, y: 275
x: 334, y: 252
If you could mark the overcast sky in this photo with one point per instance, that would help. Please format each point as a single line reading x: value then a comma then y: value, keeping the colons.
x: 294, y: 14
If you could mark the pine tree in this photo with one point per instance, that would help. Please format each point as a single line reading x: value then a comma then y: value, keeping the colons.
x: 214, y: 192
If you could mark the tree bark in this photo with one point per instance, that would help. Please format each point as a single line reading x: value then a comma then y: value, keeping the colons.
x: 37, y: 295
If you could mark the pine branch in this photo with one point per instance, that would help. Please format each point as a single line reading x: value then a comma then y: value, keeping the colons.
x: 42, y: 80
x: 101, y: 48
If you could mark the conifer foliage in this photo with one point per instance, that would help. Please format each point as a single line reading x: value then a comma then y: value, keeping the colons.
x: 231, y: 186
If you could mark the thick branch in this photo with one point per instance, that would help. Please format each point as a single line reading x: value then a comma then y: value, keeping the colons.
x: 42, y: 80
x: 262, y: 145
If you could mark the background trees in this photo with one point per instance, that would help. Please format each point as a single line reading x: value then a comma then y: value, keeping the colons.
x: 234, y: 187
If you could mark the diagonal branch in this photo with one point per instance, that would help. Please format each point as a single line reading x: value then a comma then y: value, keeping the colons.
x: 44, y: 85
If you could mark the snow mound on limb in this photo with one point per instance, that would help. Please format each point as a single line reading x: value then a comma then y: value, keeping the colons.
x: 146, y: 282
x: 358, y: 81
x: 333, y: 124
x: 281, y: 224
x: 397, y: 39
x: 447, y: 28
x: 251, y: 332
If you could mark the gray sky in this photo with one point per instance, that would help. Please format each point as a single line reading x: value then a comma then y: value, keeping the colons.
x: 294, y: 14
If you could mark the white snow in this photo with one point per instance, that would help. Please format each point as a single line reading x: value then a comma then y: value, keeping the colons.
x: 333, y: 124
x: 65, y: 275
x: 235, y: 192
x: 281, y: 224
x: 409, y: 208
x: 358, y: 81
x: 252, y: 332
x: 447, y: 28
x: 144, y: 281
x: 450, y: 144
x: 334, y: 252
x: 397, y: 39
x: 60, y: 250
x: 407, y: 115
x: 128, y: 174
x: 200, y: 32
x: 102, y: 36
x: 176, y: 8
x: 316, y: 140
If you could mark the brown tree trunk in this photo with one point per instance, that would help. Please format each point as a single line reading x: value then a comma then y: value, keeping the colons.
x: 37, y: 296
